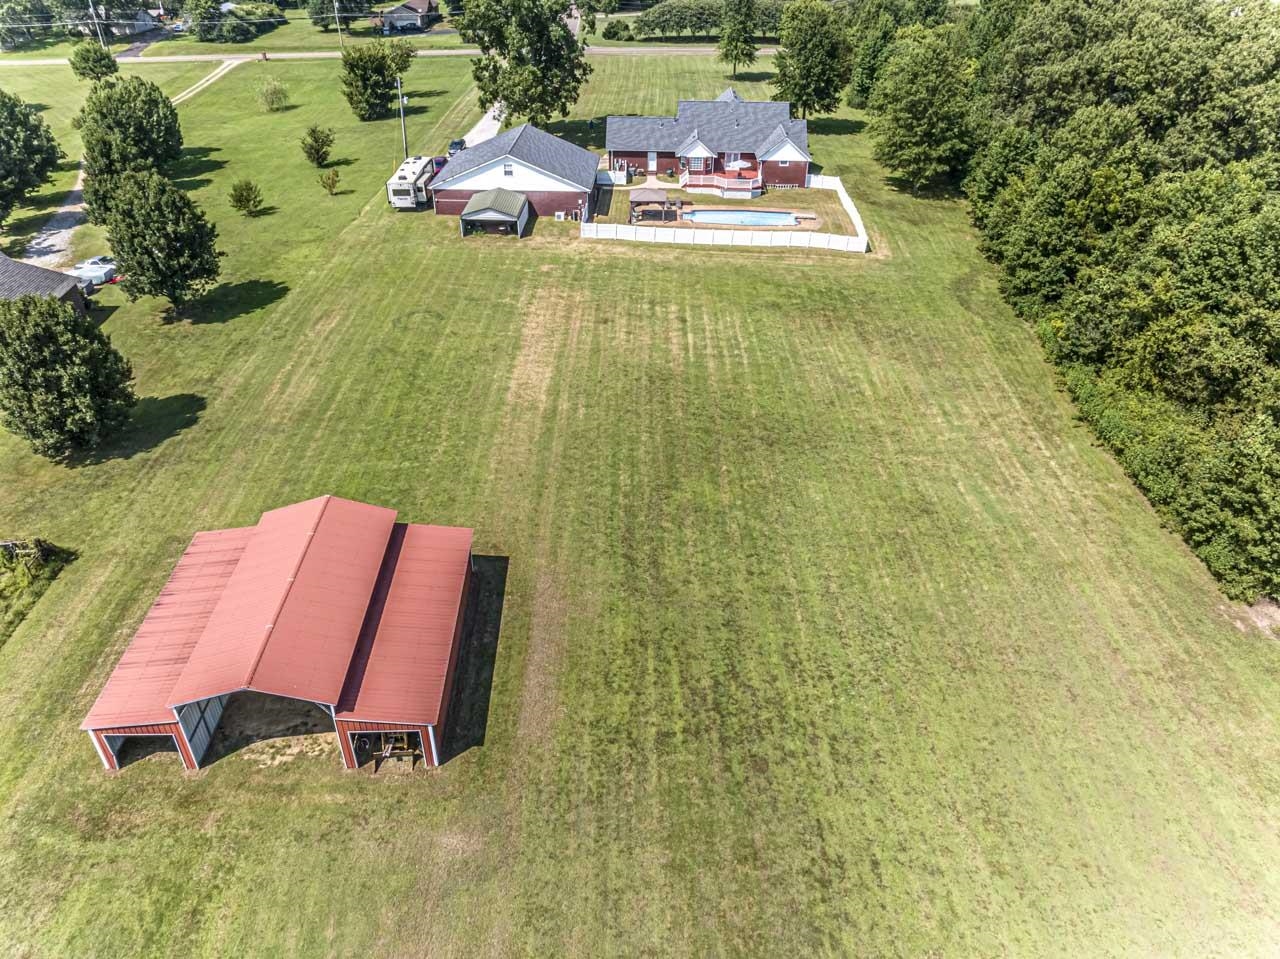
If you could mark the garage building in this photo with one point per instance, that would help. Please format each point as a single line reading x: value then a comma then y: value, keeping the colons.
x: 328, y: 601
x: 495, y: 211
x: 18, y: 279
x: 555, y: 175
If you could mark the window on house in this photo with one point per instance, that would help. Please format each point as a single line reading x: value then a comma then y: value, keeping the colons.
x: 695, y: 163
x: 507, y: 170
x: 784, y: 163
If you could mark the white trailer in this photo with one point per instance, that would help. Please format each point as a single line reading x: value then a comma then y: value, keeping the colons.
x: 407, y: 187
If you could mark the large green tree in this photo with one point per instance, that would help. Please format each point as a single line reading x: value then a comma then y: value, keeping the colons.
x: 321, y: 12
x: 813, y: 62
x: 28, y: 152
x: 91, y: 61
x: 22, y: 21
x: 737, y: 33
x: 921, y: 105
x: 369, y: 74
x: 161, y: 240
x: 204, y: 18
x: 128, y: 124
x: 530, y: 61
x: 1125, y: 181
x: 63, y: 387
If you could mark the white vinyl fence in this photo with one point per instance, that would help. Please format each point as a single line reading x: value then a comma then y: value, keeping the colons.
x: 695, y: 236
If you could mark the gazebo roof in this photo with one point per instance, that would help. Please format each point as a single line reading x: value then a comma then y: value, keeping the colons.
x: 647, y: 196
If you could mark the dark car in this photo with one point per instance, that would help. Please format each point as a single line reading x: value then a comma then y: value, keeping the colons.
x: 457, y: 146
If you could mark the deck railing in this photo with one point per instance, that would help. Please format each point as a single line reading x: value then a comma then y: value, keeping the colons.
x: 719, y: 182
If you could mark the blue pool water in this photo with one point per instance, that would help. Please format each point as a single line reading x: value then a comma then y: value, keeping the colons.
x: 742, y: 217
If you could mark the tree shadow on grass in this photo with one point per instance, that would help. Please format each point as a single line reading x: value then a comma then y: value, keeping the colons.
x: 188, y: 171
x: 836, y: 126
x: 753, y: 76
x: 585, y: 133
x: 937, y: 191
x: 229, y: 300
x: 415, y: 107
x: 154, y: 420
x: 468, y: 713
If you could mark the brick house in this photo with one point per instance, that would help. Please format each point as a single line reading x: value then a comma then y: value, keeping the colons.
x: 728, y: 146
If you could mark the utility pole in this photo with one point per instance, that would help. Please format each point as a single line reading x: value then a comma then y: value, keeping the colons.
x: 404, y: 135
x: 93, y: 16
x: 338, y: 20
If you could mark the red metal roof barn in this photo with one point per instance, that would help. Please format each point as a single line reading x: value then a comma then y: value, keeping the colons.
x: 328, y: 600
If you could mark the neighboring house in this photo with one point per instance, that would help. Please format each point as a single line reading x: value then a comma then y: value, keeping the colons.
x: 22, y: 279
x: 727, y: 146
x: 554, y: 175
x: 410, y: 15
x: 135, y: 21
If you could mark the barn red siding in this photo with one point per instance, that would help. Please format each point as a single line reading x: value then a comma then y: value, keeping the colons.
x: 156, y: 729
x: 543, y: 203
x: 793, y: 174
x: 348, y: 726
x: 640, y: 160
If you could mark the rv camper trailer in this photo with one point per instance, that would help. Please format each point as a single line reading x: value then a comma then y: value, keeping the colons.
x: 407, y: 187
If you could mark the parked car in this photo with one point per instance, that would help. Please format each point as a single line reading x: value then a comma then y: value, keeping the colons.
x: 439, y: 163
x: 456, y: 147
x: 97, y: 269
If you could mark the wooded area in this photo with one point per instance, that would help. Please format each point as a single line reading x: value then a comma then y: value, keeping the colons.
x: 1121, y: 162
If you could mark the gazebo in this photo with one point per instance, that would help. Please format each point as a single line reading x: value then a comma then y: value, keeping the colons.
x: 656, y: 199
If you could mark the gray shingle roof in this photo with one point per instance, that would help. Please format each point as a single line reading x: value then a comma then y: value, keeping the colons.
x: 727, y: 124
x: 22, y: 279
x: 533, y: 146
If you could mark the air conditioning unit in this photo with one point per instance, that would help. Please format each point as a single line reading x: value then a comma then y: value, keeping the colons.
x: 559, y: 216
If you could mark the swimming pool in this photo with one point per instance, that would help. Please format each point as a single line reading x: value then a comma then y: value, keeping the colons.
x: 742, y: 217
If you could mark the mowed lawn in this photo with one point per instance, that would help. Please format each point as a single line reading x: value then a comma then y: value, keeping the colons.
x: 58, y: 94
x: 827, y: 630
x: 300, y: 35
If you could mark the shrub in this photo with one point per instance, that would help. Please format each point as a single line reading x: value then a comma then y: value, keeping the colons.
x: 329, y: 180
x: 273, y: 95
x: 245, y: 197
x: 316, y: 144
x: 89, y: 61
x: 617, y: 30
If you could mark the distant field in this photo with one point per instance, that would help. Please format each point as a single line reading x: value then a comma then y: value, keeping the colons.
x: 301, y: 35
x: 827, y: 629
x: 60, y: 95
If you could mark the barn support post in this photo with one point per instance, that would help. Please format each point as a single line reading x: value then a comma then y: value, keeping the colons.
x: 102, y: 751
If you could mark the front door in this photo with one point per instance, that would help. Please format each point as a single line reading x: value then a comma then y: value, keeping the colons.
x: 653, y: 162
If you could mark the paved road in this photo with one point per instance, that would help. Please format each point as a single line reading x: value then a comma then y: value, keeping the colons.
x: 636, y: 51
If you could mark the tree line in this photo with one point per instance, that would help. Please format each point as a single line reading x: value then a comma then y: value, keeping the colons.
x: 1121, y: 161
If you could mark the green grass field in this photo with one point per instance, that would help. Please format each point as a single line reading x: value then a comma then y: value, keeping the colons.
x: 59, y: 96
x: 301, y: 35
x: 827, y: 629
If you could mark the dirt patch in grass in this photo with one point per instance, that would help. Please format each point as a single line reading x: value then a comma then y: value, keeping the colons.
x: 538, y: 698
x: 272, y: 730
